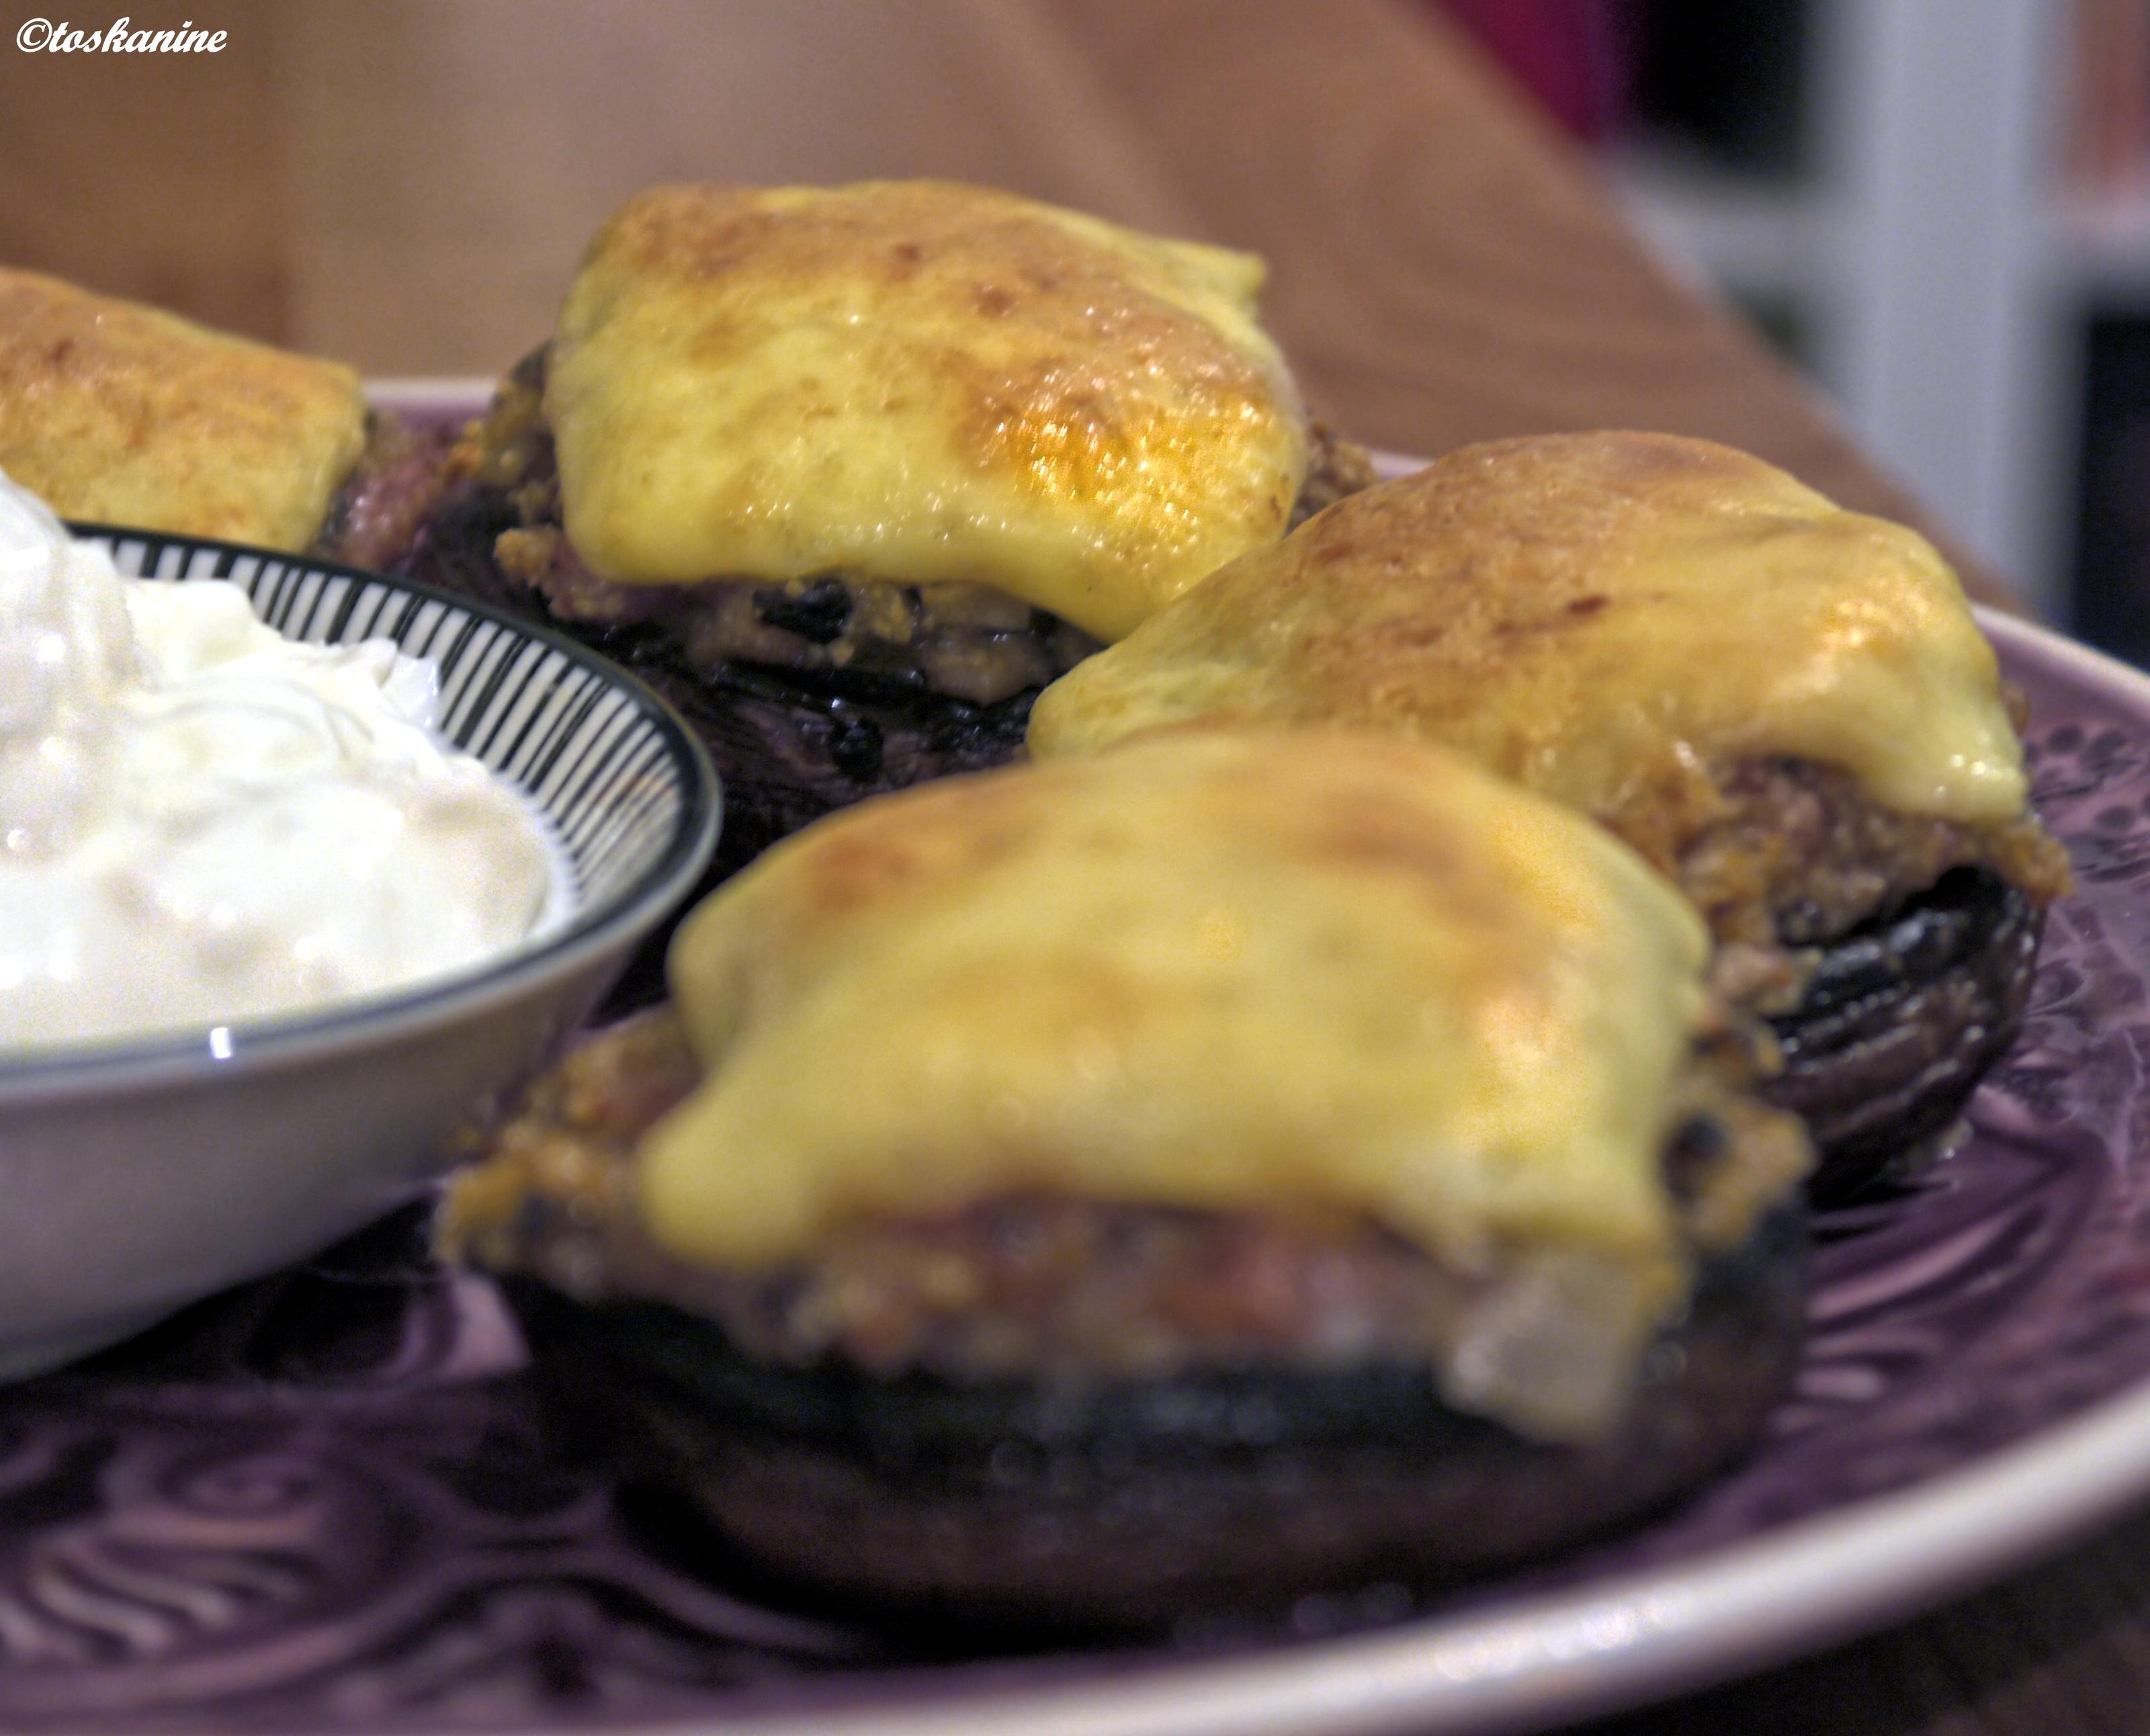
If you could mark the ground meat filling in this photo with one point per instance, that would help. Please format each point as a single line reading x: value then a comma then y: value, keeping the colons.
x: 1795, y: 855
x: 377, y: 516
x: 1032, y: 1285
x: 969, y: 642
x: 1335, y: 467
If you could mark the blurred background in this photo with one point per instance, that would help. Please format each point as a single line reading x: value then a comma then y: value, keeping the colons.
x: 1938, y: 209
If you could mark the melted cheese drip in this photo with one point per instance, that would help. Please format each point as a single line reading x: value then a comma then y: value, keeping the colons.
x: 1597, y: 616
x: 917, y: 381
x: 1210, y: 969
x: 125, y: 415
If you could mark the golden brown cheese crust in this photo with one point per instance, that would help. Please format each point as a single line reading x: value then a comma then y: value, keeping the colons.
x: 917, y: 382
x: 1612, y: 618
x: 122, y: 414
x: 1219, y: 971
x: 1058, y: 1287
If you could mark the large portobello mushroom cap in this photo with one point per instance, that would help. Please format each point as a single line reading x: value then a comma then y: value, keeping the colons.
x: 1786, y: 707
x: 1265, y: 1165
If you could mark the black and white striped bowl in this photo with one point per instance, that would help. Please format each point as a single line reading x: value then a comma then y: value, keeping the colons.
x: 138, y: 1175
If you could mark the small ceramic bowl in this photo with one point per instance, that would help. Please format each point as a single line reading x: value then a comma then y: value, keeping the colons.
x: 139, y: 1175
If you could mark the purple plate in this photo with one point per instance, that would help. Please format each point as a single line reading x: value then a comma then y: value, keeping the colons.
x: 323, y: 1502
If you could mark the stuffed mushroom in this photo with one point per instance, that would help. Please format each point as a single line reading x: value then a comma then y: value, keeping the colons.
x: 122, y: 414
x: 1234, y: 1166
x: 848, y: 474
x: 1786, y: 707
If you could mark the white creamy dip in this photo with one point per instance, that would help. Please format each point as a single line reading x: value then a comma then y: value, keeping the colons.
x: 202, y: 822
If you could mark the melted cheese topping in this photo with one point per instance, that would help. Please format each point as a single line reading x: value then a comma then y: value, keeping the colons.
x: 1599, y: 616
x: 1217, y: 970
x: 122, y: 414
x: 916, y: 381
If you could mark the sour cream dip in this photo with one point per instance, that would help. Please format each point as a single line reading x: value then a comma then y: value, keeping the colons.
x: 202, y: 823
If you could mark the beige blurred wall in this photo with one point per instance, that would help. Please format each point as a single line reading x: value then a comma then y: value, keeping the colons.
x: 407, y: 183
x: 157, y: 176
x: 481, y: 141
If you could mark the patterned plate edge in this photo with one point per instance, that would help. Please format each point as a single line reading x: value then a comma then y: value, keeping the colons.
x: 1624, y: 1642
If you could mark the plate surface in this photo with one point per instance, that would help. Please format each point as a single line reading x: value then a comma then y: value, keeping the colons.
x: 323, y: 1502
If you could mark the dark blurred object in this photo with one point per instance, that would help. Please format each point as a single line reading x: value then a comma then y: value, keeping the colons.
x: 1727, y: 77
x: 2112, y: 531
x: 1782, y: 321
x: 1576, y: 56
x: 1723, y: 77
